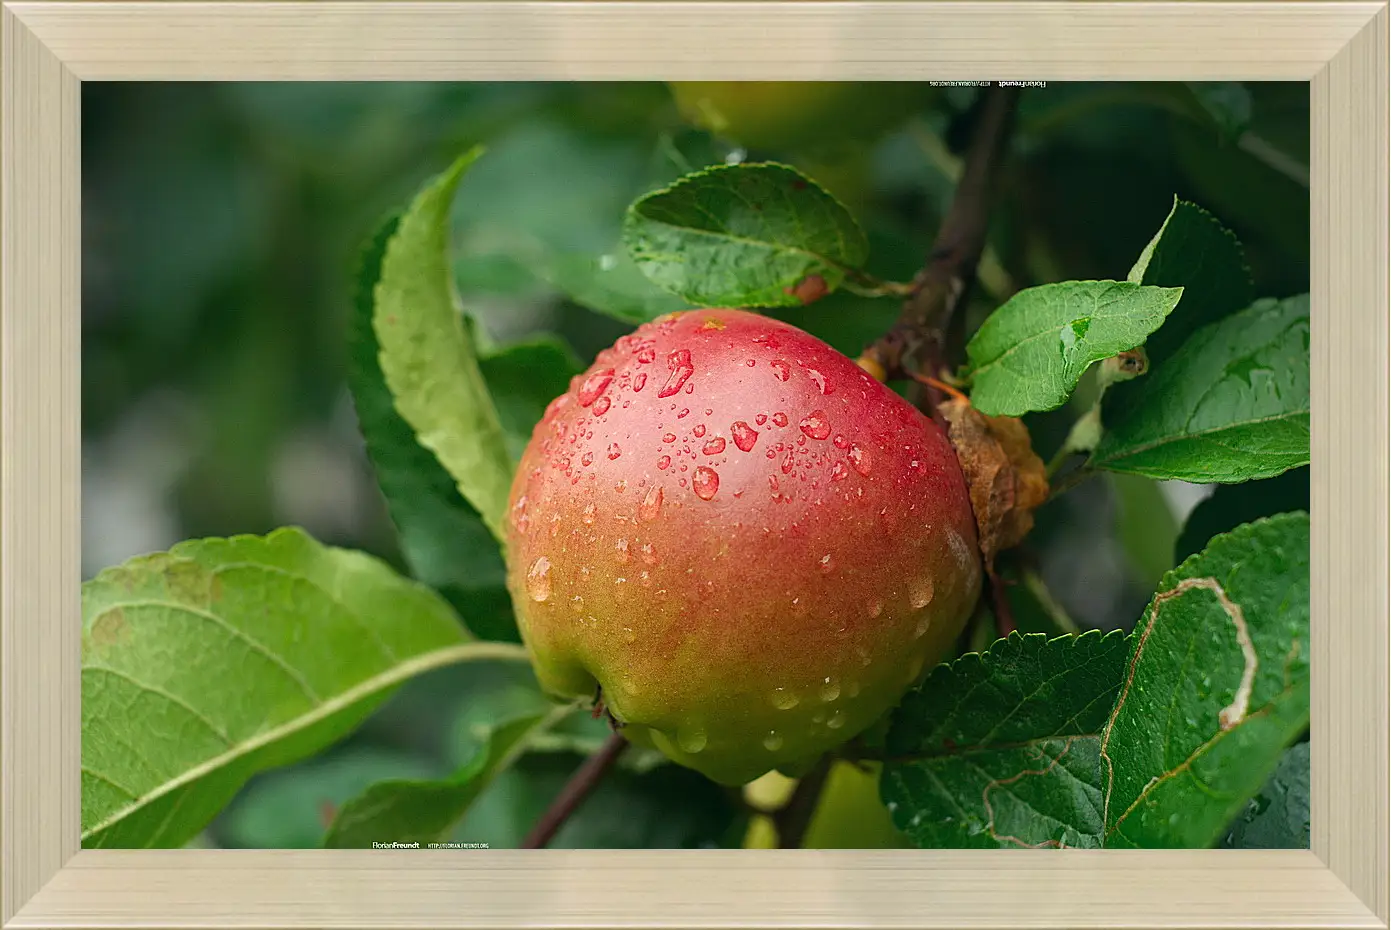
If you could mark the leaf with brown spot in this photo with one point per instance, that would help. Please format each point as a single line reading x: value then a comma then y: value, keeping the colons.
x: 811, y: 288
x: 1006, y: 479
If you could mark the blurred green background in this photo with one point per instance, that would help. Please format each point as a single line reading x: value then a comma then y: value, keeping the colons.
x: 222, y: 224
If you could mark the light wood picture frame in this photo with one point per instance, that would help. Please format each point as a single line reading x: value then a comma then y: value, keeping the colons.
x: 49, y: 48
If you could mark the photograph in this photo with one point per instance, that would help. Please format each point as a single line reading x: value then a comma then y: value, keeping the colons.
x: 695, y: 465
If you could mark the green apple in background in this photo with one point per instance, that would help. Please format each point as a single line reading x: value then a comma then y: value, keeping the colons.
x: 781, y: 116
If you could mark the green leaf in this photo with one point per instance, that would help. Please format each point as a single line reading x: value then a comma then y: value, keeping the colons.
x: 1217, y: 686
x: 610, y: 284
x: 1192, y: 250
x: 523, y: 378
x: 669, y: 807
x: 425, y: 811
x: 1278, y: 816
x: 428, y: 357
x: 1145, y: 527
x: 743, y: 236
x: 545, y: 210
x: 512, y: 692
x: 1231, y: 405
x: 226, y: 657
x: 1231, y: 505
x: 1030, y: 353
x: 999, y: 749
x: 291, y: 808
x: 442, y: 538
x: 1228, y: 103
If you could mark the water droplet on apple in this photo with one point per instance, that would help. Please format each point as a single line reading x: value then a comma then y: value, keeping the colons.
x: 587, y: 515
x: 822, y: 385
x: 601, y: 406
x: 705, y: 482
x: 861, y: 460
x: 839, y: 472
x: 784, y: 699
x: 744, y: 435
x: 920, y: 593
x: 640, y: 381
x: 594, y: 386
x: 826, y: 564
x: 781, y: 370
x: 692, y: 741
x: 669, y: 438
x: 830, y: 690
x: 621, y: 548
x: 679, y: 364
x: 713, y: 446
x: 538, y: 580
x: 779, y: 419
x: 837, y: 720
x: 651, y: 506
x: 816, y: 425
x: 614, y: 451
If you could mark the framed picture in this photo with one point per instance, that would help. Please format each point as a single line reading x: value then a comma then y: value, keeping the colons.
x: 674, y: 464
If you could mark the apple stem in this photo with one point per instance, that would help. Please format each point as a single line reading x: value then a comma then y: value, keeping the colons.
x: 999, y: 602
x: 939, y: 289
x: 792, y: 819
x: 579, y: 787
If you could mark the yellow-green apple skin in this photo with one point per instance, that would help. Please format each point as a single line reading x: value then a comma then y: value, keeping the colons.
x: 747, y: 546
x: 781, y: 115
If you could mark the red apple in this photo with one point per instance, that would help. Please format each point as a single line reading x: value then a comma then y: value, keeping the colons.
x: 744, y: 543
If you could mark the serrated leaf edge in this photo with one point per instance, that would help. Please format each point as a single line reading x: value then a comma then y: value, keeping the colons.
x: 631, y: 214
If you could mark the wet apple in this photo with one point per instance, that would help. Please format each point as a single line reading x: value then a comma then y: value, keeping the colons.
x: 739, y: 541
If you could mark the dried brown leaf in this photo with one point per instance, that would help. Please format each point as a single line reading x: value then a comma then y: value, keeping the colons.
x: 1006, y: 479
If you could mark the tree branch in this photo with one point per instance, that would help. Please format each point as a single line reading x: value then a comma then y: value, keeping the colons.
x: 925, y: 324
x: 584, y: 781
x: 792, y: 819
